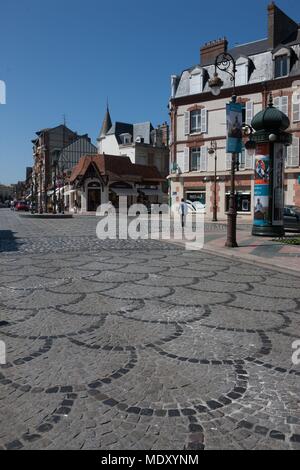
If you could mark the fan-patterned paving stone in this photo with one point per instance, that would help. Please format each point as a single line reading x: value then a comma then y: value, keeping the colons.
x: 121, y: 332
x: 156, y: 311
x: 193, y: 297
x: 51, y: 322
x: 69, y: 365
x: 212, y: 345
x: 239, y: 319
x: 123, y: 344
x: 96, y: 304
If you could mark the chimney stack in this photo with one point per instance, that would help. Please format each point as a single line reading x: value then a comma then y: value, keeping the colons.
x: 211, y: 50
x: 280, y: 26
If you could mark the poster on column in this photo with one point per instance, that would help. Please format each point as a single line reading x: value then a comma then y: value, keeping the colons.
x: 262, y: 186
x: 278, y: 178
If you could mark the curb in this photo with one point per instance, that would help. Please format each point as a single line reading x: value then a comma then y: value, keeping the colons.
x: 46, y: 216
x: 247, y: 260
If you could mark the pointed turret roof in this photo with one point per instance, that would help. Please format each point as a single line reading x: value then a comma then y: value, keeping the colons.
x: 106, y: 125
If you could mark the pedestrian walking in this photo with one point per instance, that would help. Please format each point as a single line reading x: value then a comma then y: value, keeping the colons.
x: 76, y: 205
x: 183, y: 210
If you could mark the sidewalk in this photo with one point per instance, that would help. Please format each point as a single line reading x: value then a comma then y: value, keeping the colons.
x: 257, y: 250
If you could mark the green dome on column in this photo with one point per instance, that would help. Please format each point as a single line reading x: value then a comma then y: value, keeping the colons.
x: 270, y: 119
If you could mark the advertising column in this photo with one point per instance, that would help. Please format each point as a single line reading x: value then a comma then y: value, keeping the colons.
x: 262, y: 187
x: 269, y: 190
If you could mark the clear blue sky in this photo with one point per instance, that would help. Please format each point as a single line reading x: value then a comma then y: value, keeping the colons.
x: 66, y: 56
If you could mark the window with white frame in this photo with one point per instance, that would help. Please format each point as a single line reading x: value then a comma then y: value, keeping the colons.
x: 198, y: 159
x: 195, y: 121
x: 292, y: 158
x: 195, y: 158
x: 281, y: 66
x: 282, y: 103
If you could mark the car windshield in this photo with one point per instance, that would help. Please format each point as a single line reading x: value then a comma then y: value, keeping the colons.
x: 293, y: 208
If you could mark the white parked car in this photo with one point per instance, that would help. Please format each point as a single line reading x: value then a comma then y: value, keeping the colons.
x: 195, y: 206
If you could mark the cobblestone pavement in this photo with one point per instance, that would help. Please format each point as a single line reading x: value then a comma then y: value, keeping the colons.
x: 141, y: 345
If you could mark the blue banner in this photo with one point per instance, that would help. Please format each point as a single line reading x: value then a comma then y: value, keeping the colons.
x: 234, y: 120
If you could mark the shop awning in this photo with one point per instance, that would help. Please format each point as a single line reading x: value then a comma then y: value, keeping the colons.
x: 124, y: 191
x: 152, y: 192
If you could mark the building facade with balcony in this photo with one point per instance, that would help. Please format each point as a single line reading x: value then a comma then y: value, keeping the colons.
x: 198, y: 117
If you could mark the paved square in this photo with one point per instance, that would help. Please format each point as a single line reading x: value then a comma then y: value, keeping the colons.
x: 141, y: 345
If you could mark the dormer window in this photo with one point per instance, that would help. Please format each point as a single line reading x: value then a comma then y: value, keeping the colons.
x: 126, y: 139
x: 242, y: 71
x: 281, y: 66
x: 282, y: 62
x: 196, y: 81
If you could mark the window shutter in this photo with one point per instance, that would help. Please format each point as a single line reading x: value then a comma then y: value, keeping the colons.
x: 249, y: 112
x: 203, y: 159
x: 228, y: 161
x: 186, y: 165
x: 186, y: 123
x: 204, y: 121
x: 296, y: 108
x: 293, y: 153
x: 285, y: 105
x: 282, y: 103
x: 249, y: 160
x: 242, y: 158
x: 277, y: 102
x: 180, y: 161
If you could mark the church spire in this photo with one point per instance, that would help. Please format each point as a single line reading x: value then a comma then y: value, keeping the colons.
x: 106, y: 125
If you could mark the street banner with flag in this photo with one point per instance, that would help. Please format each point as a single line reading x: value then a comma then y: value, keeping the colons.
x: 234, y: 120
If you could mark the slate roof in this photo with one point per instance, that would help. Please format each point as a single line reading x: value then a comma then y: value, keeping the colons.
x: 120, y: 128
x: 106, y: 125
x: 142, y: 129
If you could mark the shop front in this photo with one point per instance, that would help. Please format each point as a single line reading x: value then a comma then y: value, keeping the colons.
x: 117, y: 190
x: 243, y: 202
x: 99, y: 179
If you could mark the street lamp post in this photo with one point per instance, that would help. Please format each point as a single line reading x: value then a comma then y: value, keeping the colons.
x: 54, y: 187
x: 35, y: 190
x: 226, y: 63
x: 213, y: 151
x: 32, y: 195
x: 63, y: 190
x: 41, y: 188
x: 55, y: 162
